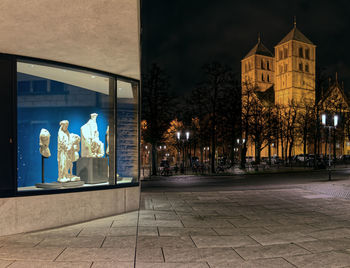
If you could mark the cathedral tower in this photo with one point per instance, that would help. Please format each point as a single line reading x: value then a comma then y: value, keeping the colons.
x: 295, y: 58
x: 257, y: 67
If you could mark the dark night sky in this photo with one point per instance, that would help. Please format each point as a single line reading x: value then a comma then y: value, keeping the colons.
x: 182, y: 35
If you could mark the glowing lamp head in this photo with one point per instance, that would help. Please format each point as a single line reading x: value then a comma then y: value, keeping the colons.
x: 335, y: 120
x: 178, y: 135
x: 187, y: 135
x: 323, y: 119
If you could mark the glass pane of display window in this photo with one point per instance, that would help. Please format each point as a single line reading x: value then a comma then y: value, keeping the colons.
x: 127, y: 132
x: 64, y: 117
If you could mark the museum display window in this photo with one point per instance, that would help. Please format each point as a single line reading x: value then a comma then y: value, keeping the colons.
x: 75, y: 128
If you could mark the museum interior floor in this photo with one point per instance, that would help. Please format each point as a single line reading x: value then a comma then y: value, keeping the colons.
x: 284, y: 226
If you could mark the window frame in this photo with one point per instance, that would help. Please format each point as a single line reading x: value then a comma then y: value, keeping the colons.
x: 12, y: 109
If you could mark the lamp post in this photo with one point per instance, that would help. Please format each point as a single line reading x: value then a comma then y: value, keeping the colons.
x: 182, y: 138
x: 328, y: 124
x: 240, y: 142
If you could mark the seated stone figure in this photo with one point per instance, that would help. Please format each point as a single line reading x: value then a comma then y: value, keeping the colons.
x: 91, y: 146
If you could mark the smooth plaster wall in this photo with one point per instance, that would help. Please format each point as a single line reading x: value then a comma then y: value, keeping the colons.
x: 32, y: 213
x: 99, y: 34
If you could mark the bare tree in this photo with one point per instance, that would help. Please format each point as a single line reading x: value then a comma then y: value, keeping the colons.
x: 156, y: 109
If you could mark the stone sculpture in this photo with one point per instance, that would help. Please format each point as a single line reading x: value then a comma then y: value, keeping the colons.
x: 44, y: 142
x: 91, y: 146
x: 73, y: 154
x: 67, y: 147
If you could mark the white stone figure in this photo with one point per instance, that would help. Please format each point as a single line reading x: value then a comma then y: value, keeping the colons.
x: 107, y: 135
x: 73, y: 154
x: 44, y: 142
x: 63, y: 148
x: 91, y: 146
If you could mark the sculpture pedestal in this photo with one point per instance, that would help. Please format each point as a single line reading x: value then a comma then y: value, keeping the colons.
x: 59, y: 185
x: 92, y: 170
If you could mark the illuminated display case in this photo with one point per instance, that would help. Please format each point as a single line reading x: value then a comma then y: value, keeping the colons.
x: 73, y: 128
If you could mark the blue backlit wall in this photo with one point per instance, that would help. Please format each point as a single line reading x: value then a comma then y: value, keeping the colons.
x: 44, y: 103
x: 127, y: 140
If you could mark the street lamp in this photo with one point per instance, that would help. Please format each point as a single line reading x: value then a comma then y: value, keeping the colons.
x: 206, y: 149
x: 240, y: 142
x: 182, y: 139
x: 329, y: 126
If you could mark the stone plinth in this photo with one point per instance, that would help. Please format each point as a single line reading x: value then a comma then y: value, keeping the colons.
x: 92, y: 170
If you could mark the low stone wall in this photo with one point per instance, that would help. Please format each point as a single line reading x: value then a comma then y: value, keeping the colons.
x: 32, y: 213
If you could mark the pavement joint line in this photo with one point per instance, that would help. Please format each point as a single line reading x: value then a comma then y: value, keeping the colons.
x: 296, y: 243
x: 79, y: 232
x: 137, y: 232
x: 38, y: 243
x: 104, y: 239
x: 238, y: 254
x: 162, y: 254
x: 59, y: 254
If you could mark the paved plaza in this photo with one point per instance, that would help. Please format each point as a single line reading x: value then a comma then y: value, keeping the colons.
x: 297, y: 224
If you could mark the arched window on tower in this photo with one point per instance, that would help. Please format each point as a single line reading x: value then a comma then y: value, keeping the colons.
x: 307, y: 53
x: 262, y: 64
x: 306, y: 67
x: 301, y: 55
x: 262, y: 77
x: 281, y: 54
x: 300, y: 67
x: 285, y: 51
x: 268, y: 65
x: 268, y: 78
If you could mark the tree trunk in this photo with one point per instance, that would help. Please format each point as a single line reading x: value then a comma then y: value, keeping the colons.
x: 232, y: 151
x: 213, y: 148
x: 334, y: 147
x: 154, y: 160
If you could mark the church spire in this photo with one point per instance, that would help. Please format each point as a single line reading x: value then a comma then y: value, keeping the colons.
x: 295, y: 21
x: 259, y: 38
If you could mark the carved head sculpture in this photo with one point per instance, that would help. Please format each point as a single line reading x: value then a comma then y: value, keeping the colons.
x: 44, y: 142
x: 64, y: 125
x: 75, y: 146
x: 93, y: 116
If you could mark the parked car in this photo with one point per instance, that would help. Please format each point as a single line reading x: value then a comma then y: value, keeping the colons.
x: 301, y: 157
x: 249, y: 159
x: 345, y: 157
x: 276, y: 160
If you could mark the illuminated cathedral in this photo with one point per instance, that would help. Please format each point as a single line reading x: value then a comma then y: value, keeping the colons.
x: 289, y: 76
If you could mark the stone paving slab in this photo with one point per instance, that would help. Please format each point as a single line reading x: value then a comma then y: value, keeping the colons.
x: 46, y: 264
x: 223, y: 241
x: 112, y: 264
x: 169, y: 231
x: 281, y: 238
x: 4, y: 263
x: 326, y: 245
x: 324, y: 260
x: 270, y: 263
x: 186, y: 255
x: 172, y: 265
x: 265, y: 227
x: 97, y: 254
x: 260, y: 252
